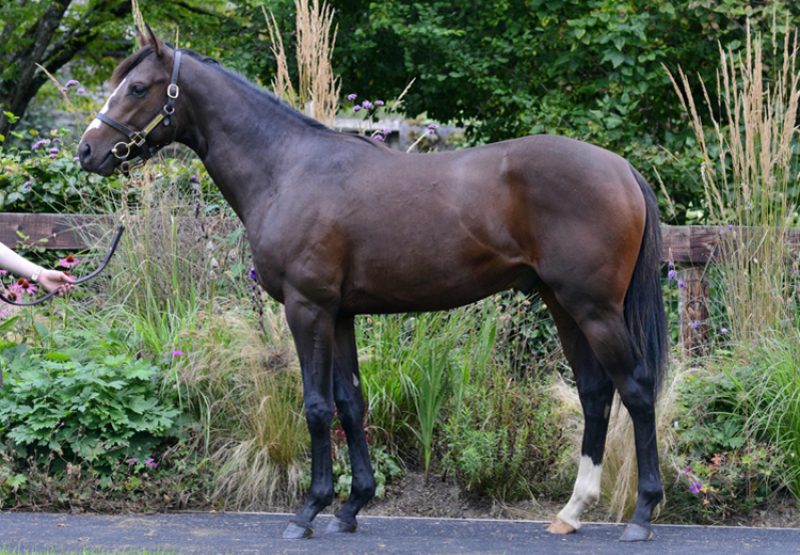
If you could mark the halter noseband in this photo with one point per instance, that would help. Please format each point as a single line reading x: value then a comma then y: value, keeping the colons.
x: 138, y: 139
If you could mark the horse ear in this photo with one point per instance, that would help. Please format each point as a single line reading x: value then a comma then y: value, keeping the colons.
x: 149, y: 38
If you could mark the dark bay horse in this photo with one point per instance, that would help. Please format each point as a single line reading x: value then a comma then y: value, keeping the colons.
x: 340, y: 225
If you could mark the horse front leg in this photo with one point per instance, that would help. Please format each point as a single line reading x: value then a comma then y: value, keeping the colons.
x: 350, y: 405
x: 313, y: 331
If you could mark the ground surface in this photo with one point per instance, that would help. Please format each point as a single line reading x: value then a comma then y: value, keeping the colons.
x: 260, y: 533
x: 414, y: 496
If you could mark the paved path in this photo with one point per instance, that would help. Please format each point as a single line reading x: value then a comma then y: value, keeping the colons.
x: 260, y: 533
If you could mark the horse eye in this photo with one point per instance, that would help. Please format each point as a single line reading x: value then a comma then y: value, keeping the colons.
x: 137, y: 90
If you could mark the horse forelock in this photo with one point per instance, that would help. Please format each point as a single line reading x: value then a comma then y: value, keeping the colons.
x: 127, y: 65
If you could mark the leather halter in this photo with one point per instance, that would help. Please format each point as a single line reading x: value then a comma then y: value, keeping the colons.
x: 138, y: 139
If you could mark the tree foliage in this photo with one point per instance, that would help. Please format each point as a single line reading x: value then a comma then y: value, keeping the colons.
x: 590, y: 69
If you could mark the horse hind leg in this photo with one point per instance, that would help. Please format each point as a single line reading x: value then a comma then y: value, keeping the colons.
x: 350, y: 406
x: 611, y: 343
x: 596, y: 392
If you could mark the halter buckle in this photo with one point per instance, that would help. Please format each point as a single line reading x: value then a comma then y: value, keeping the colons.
x: 138, y: 138
x: 173, y: 90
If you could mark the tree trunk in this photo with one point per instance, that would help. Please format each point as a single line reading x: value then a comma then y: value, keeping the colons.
x: 53, y: 44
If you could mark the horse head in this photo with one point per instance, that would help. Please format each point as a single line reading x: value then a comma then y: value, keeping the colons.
x: 140, y: 116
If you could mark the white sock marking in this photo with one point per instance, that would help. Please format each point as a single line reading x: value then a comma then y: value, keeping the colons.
x: 585, y: 493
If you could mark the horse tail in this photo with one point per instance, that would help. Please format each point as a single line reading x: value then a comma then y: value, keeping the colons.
x: 644, y: 301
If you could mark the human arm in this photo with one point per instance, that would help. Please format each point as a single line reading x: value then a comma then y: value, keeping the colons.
x: 20, y: 266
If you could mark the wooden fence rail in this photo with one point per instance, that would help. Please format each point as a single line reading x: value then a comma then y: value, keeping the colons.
x: 690, y: 248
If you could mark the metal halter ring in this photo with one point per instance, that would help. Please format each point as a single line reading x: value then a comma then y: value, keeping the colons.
x: 173, y: 90
x: 169, y: 110
x: 127, y: 146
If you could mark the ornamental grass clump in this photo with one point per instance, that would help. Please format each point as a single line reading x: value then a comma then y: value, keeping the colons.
x: 748, y: 166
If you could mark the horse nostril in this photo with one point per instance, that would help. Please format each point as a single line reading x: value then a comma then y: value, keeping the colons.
x: 84, y: 152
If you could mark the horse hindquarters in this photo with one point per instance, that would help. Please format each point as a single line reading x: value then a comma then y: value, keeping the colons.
x: 627, y: 346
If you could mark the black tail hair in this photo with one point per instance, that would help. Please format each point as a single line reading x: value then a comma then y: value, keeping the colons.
x: 644, y: 302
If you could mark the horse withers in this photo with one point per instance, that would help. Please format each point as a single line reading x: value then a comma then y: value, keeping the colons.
x: 340, y: 225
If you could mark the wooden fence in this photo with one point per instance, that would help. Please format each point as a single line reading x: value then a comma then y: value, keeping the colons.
x: 690, y: 248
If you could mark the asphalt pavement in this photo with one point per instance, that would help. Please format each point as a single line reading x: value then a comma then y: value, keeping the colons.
x: 218, y: 533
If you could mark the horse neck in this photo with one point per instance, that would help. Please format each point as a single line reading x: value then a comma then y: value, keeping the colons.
x: 243, y: 137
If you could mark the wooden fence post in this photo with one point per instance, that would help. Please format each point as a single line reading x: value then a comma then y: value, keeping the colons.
x: 693, y: 300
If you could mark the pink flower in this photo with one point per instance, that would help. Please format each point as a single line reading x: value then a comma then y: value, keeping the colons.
x: 69, y: 261
x: 24, y: 286
x: 696, y: 487
x: 149, y: 462
x: 177, y: 353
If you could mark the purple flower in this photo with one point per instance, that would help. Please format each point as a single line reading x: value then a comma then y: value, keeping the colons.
x: 379, y: 103
x: 54, y: 150
x: 150, y: 462
x: 81, y: 90
x: 131, y: 460
x: 378, y: 137
x: 695, y: 324
x: 194, y: 178
x: 696, y: 487
x: 367, y: 105
x: 724, y: 331
x: 356, y: 108
x: 177, y: 353
x: 75, y: 159
x: 72, y: 83
x: 40, y: 143
x: 27, y: 185
x: 3, y: 273
x: 64, y: 89
x: 687, y: 470
x: 433, y: 127
x: 253, y: 275
x: 352, y: 96
x: 672, y: 275
x: 681, y: 284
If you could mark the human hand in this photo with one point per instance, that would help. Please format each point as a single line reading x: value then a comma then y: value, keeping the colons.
x: 56, y: 280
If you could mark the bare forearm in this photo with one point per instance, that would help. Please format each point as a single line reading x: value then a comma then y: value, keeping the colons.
x: 14, y: 263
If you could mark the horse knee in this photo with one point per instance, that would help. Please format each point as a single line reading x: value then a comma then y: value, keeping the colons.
x: 319, y: 415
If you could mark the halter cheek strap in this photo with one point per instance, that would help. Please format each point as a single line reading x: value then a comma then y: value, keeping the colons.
x: 138, y: 139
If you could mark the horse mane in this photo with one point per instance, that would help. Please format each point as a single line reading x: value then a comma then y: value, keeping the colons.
x: 128, y: 64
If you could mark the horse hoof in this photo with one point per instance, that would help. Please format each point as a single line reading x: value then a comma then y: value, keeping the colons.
x: 637, y: 533
x: 296, y: 531
x: 339, y: 526
x: 560, y: 527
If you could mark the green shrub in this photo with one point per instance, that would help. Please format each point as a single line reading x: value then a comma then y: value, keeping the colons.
x: 721, y: 467
x: 43, y: 176
x: 98, y: 410
x: 503, y: 438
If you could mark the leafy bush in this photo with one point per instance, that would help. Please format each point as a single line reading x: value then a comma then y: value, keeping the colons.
x: 98, y: 410
x: 722, y: 468
x: 44, y: 176
x: 503, y: 438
